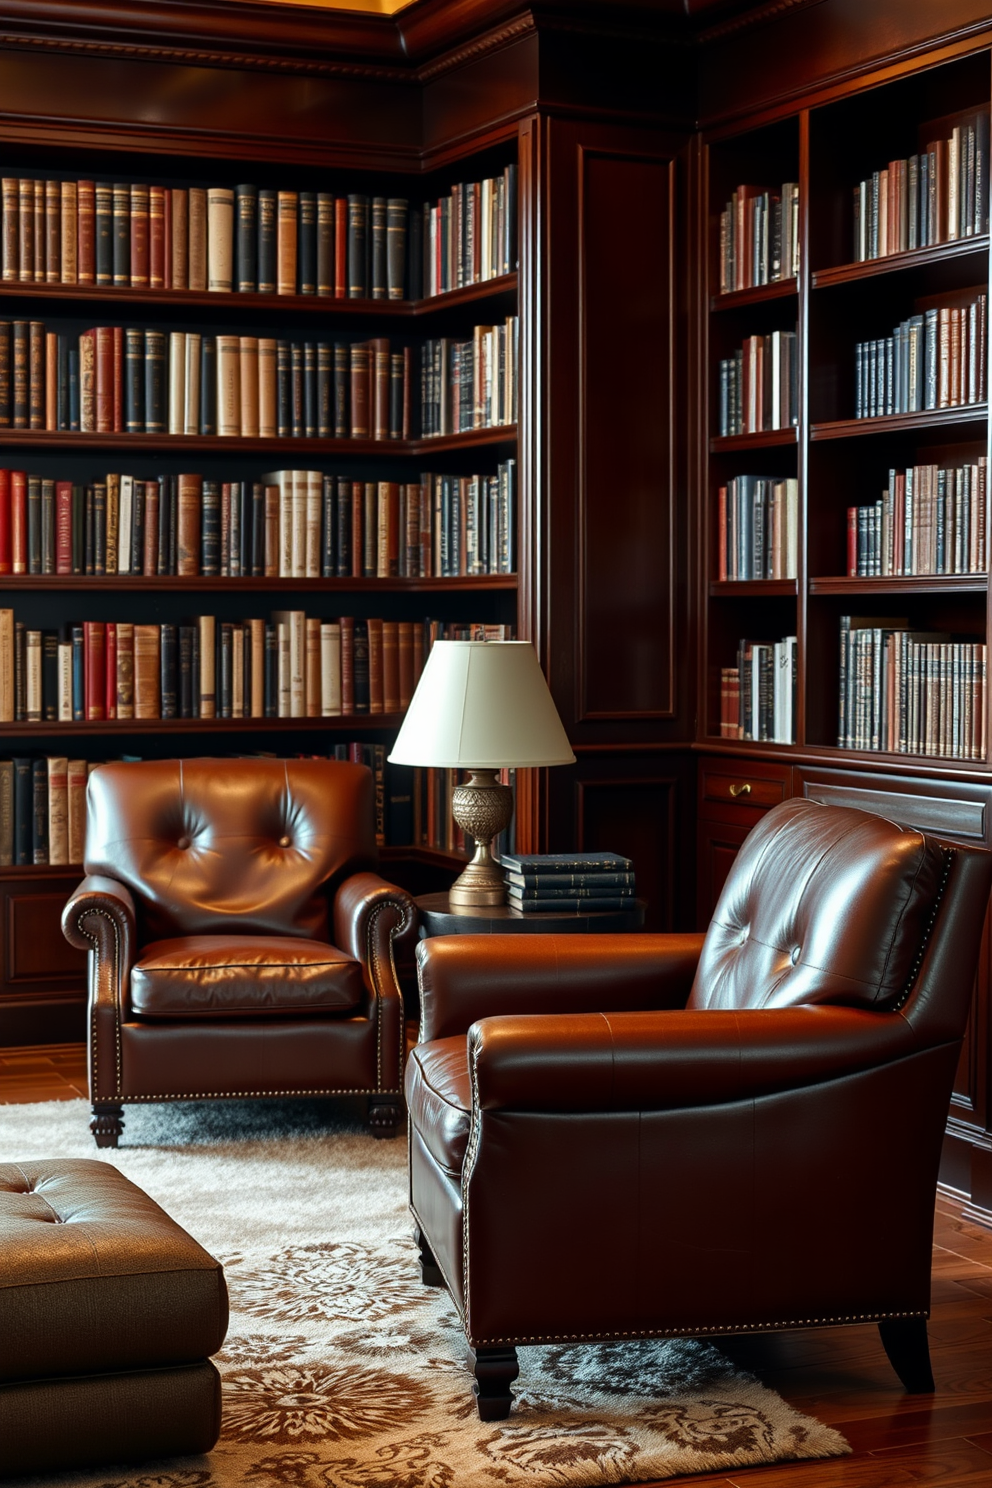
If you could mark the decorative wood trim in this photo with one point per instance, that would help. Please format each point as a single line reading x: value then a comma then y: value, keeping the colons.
x: 201, y: 57
x: 772, y: 11
x: 493, y: 41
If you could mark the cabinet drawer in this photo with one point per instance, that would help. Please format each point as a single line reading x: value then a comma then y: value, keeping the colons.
x: 740, y: 790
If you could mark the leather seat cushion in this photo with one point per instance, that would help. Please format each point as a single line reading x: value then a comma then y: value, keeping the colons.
x: 97, y: 1278
x: 439, y: 1099
x: 233, y: 976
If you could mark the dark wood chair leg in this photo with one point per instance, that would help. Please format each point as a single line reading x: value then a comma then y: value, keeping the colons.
x: 107, y: 1124
x: 495, y: 1369
x: 430, y: 1271
x: 385, y: 1116
x: 905, y: 1342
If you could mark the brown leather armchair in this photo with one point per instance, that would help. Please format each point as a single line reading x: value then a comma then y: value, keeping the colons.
x: 629, y: 1136
x: 240, y: 942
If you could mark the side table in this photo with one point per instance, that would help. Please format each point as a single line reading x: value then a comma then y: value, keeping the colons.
x: 438, y: 918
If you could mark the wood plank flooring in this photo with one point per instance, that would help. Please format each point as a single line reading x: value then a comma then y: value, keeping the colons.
x: 838, y: 1375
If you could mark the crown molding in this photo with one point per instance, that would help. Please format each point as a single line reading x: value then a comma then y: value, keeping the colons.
x: 415, y: 45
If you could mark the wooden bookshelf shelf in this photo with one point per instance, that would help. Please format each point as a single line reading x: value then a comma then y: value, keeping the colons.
x: 124, y: 727
x: 741, y: 299
x: 731, y: 444
x: 753, y: 588
x: 166, y: 583
x: 976, y: 248
x: 241, y: 307
x: 908, y: 584
x: 962, y: 416
x: 238, y: 446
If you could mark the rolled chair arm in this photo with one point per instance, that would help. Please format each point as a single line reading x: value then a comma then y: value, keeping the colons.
x: 673, y: 1060
x: 99, y: 917
x: 376, y: 923
x: 467, y: 977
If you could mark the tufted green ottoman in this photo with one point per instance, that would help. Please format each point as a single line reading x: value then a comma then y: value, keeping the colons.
x: 108, y: 1315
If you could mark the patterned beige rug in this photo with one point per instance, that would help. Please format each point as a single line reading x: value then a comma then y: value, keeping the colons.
x: 342, y: 1371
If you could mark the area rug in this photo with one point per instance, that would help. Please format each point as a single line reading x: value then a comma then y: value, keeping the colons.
x: 341, y: 1370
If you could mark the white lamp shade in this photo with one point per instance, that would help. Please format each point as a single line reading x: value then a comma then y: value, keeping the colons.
x: 482, y: 705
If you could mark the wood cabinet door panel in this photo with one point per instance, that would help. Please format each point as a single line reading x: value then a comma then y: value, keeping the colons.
x: 37, y: 954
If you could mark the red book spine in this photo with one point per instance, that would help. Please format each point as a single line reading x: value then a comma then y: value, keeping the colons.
x: 140, y: 234
x: 167, y: 238
x: 852, y: 542
x: 5, y: 536
x: 19, y: 521
x: 347, y: 664
x: 110, y: 651
x: 95, y: 668
x: 104, y: 337
x: 357, y: 528
x: 118, y: 379
x: 63, y: 527
x: 340, y: 247
x: 721, y: 519
x: 86, y: 232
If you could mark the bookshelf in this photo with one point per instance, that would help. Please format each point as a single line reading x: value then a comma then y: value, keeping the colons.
x: 918, y: 745
x: 32, y: 893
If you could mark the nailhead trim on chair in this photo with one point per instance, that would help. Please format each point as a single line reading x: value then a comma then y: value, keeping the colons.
x: 373, y: 962
x: 116, y: 989
x: 915, y: 969
x: 691, y: 1330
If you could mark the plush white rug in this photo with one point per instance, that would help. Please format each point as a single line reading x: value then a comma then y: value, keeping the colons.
x: 342, y: 1371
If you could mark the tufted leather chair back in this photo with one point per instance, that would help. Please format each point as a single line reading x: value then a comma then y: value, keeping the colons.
x: 824, y: 904
x: 253, y: 845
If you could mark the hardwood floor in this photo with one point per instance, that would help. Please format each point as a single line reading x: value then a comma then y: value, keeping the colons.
x: 838, y: 1375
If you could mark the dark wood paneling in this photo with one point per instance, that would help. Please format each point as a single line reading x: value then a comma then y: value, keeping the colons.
x: 626, y: 617
x: 612, y: 569
x: 806, y: 48
x: 165, y: 107
x: 498, y: 86
x: 36, y: 953
x: 717, y: 845
x: 639, y: 805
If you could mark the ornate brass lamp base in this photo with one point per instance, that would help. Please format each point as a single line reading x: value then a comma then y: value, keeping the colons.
x: 482, y: 808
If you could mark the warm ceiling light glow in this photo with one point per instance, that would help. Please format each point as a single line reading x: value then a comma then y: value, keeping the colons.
x: 376, y: 7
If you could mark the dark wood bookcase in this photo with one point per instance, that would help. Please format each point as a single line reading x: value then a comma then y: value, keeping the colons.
x: 39, y: 968
x: 305, y: 99
x: 829, y: 138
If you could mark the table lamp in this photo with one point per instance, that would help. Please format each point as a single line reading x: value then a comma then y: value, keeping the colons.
x: 482, y: 706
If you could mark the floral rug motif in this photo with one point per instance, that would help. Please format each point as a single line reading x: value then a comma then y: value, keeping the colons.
x: 341, y: 1370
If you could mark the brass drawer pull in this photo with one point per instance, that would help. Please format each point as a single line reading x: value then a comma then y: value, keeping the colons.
x: 739, y: 790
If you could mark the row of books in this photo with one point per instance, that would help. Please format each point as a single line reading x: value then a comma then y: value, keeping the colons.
x: 566, y: 883
x: 759, y: 237
x: 291, y: 666
x: 937, y: 196
x: 758, y: 695
x: 129, y: 380
x: 471, y: 234
x: 930, y: 519
x: 905, y: 691
x: 289, y: 524
x: 43, y: 803
x: 43, y: 810
x: 759, y: 385
x: 470, y: 384
x: 129, y: 235
x: 758, y: 528
x: 936, y: 359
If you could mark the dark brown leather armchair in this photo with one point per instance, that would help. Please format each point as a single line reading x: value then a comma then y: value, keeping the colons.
x: 629, y: 1136
x: 240, y: 942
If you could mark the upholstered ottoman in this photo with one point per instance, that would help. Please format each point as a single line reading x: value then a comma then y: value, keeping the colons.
x: 108, y: 1315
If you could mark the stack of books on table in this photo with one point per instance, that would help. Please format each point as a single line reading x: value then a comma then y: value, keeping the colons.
x: 567, y: 883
